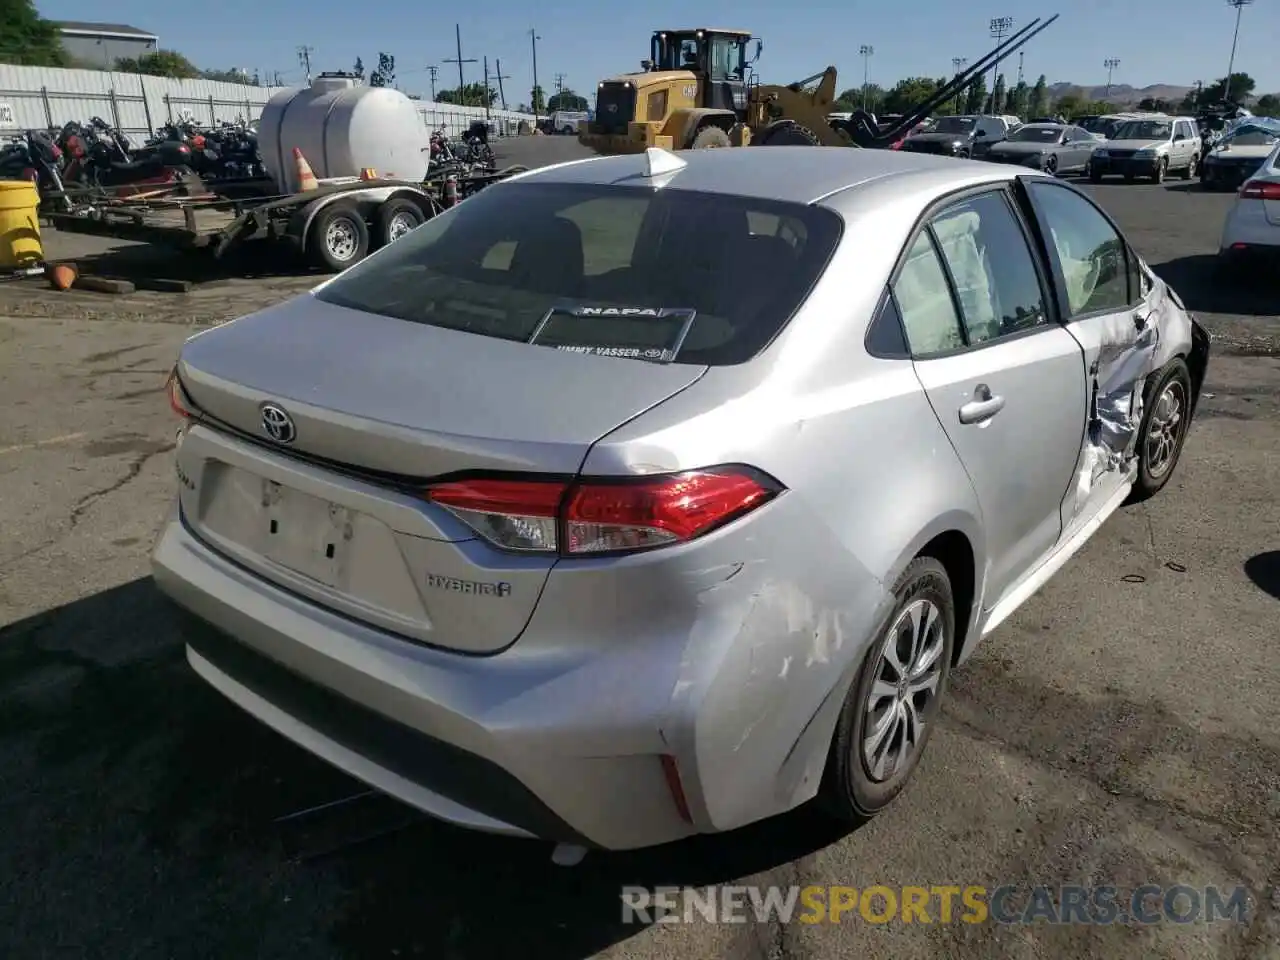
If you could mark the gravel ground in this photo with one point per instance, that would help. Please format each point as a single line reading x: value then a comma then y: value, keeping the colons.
x: 1119, y: 729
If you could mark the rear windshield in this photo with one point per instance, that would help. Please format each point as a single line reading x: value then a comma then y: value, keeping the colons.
x: 607, y: 268
x: 1037, y: 135
x: 954, y: 125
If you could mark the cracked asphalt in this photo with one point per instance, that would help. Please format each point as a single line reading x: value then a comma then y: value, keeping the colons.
x: 1118, y: 730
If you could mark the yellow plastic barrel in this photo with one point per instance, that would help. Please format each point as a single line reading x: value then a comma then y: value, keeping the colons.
x: 19, y: 224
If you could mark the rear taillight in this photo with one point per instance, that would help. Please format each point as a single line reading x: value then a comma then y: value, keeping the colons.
x: 178, y: 401
x: 1260, y: 190
x: 604, y: 515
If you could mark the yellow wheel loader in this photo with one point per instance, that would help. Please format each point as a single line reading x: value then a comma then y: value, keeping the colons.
x: 697, y: 90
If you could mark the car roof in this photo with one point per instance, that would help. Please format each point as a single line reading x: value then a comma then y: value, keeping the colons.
x: 798, y: 174
x: 1046, y: 125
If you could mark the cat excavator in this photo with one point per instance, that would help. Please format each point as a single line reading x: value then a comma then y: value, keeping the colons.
x: 697, y: 90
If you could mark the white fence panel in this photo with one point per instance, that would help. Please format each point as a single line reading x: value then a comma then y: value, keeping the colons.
x: 38, y: 98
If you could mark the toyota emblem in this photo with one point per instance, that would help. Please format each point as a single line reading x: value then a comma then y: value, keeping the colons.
x: 277, y: 424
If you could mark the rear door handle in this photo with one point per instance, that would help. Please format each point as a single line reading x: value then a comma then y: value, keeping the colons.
x: 982, y: 407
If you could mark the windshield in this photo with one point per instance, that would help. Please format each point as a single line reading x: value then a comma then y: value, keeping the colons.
x: 1037, y: 135
x: 606, y: 264
x: 1144, y: 130
x: 1106, y: 126
x: 954, y: 125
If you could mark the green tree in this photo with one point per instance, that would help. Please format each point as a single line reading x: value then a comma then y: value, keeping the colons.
x: 232, y: 76
x: 1154, y: 104
x: 472, y: 95
x: 1241, y: 89
x: 998, y: 96
x: 27, y: 39
x: 907, y: 94
x: 566, y: 99
x: 1268, y: 105
x: 1038, y: 104
x: 384, y: 75
x: 976, y: 96
x: 1019, y: 97
x: 538, y: 100
x: 162, y: 63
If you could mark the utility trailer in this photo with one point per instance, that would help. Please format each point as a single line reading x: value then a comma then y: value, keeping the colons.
x: 334, y: 226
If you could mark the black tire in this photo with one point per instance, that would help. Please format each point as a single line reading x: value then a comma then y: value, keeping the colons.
x: 1051, y: 166
x: 710, y: 138
x: 395, y: 218
x: 1162, y: 170
x: 1153, y: 475
x: 790, y: 135
x: 850, y: 793
x: 1190, y: 172
x: 1094, y: 175
x: 321, y: 248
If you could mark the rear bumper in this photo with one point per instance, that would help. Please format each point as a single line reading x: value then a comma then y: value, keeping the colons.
x: 563, y: 736
x: 1248, y: 236
x: 1126, y: 166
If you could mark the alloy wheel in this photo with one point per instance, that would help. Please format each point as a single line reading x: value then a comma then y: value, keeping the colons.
x: 1164, y: 429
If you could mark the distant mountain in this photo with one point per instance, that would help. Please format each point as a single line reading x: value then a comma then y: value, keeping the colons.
x: 1122, y: 95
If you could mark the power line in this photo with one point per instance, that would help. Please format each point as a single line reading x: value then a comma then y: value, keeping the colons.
x: 1111, y: 63
x: 533, y: 94
x: 457, y: 32
x: 433, y: 70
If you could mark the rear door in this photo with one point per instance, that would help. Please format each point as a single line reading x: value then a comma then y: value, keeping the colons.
x: 1004, y: 379
x: 1107, y: 308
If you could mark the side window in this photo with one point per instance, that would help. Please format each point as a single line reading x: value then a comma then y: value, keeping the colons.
x: 989, y: 259
x: 724, y: 59
x: 1090, y: 255
x: 923, y: 297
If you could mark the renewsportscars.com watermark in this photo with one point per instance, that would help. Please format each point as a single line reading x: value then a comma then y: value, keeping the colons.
x: 1009, y: 904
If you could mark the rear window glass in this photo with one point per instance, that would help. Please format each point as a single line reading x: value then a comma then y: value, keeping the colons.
x: 603, y: 269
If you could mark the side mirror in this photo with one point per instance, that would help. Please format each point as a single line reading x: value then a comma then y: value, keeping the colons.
x: 979, y: 134
x: 759, y: 49
x: 646, y: 65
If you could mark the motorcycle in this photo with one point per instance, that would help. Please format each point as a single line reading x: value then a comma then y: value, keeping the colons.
x: 94, y: 155
x: 34, y: 156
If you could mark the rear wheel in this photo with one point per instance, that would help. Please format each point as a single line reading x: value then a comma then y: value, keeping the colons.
x: 1095, y: 175
x: 338, y: 238
x: 710, y: 138
x: 890, y: 710
x: 1051, y: 166
x: 1190, y: 172
x: 1162, y: 169
x: 395, y: 219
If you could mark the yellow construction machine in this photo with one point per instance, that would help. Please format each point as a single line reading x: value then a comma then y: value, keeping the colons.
x: 698, y: 90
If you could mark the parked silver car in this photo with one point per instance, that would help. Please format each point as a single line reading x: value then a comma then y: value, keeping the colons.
x: 648, y: 496
x: 1055, y: 148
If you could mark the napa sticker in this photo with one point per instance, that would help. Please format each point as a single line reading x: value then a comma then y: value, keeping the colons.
x: 654, y: 334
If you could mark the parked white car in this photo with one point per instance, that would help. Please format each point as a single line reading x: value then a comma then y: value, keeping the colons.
x: 1251, y: 233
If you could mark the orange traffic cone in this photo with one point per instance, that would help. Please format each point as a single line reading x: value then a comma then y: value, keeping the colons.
x: 368, y: 173
x: 306, y: 177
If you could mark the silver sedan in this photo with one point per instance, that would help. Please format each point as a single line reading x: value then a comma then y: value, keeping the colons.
x: 649, y: 496
x: 1055, y: 148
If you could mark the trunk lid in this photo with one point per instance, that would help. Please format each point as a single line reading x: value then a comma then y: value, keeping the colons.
x: 377, y: 396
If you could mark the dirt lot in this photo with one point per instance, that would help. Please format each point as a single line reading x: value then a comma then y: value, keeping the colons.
x: 1120, y: 729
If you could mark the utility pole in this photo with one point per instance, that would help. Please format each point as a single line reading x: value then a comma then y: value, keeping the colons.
x: 1110, y: 64
x: 533, y: 94
x: 1019, y: 67
x: 304, y: 58
x: 457, y: 33
x: 958, y: 64
x: 487, y: 98
x: 1231, y: 64
x: 433, y: 70
x: 1001, y: 27
x: 502, y: 97
x: 866, y: 52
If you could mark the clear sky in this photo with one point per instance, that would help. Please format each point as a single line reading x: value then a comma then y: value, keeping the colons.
x: 1156, y: 41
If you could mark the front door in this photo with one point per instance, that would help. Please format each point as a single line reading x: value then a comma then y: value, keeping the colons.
x: 1106, y: 303
x: 726, y: 81
x: 1005, y: 381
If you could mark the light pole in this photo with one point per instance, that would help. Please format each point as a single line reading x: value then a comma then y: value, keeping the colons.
x: 866, y: 52
x: 533, y: 94
x: 1110, y: 64
x: 958, y: 64
x: 1231, y: 64
x: 1000, y: 28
